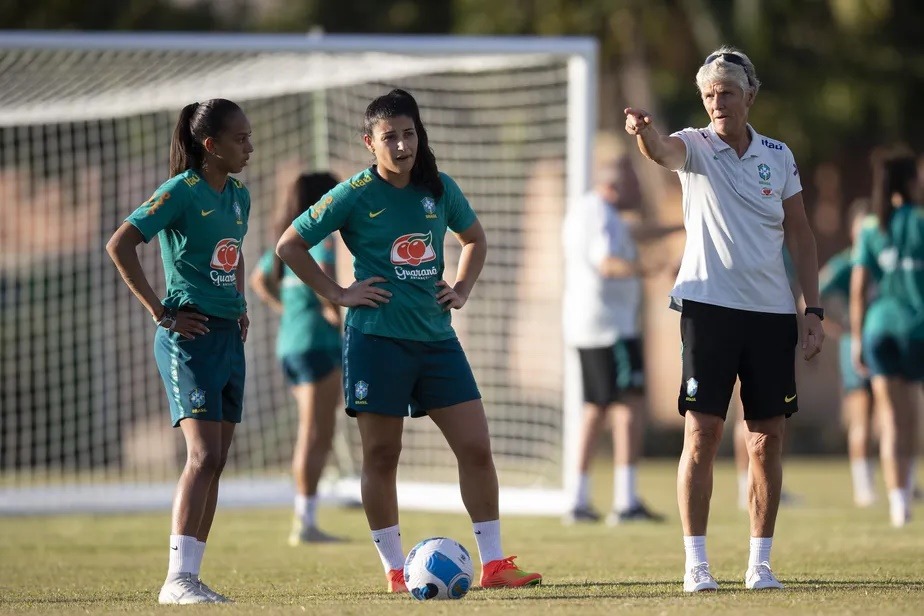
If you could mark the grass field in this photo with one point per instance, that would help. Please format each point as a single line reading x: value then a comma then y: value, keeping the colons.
x: 833, y: 558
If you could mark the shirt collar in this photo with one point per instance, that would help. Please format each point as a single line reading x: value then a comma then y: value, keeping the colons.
x: 721, y: 145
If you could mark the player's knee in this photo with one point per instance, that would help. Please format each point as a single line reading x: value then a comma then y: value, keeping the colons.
x: 475, y: 455
x: 705, y: 435
x: 764, y: 445
x: 381, y: 457
x: 205, y: 461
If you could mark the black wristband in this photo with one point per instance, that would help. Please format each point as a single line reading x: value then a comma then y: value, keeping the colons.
x: 818, y: 312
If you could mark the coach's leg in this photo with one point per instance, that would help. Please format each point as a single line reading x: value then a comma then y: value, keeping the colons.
x: 702, y: 434
x: 765, y: 472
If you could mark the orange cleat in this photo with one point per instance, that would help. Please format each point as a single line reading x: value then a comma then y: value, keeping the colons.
x: 504, y: 574
x: 396, y: 581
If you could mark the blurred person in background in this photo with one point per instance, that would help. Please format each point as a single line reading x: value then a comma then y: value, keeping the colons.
x: 856, y: 392
x: 888, y: 332
x: 308, y: 346
x: 200, y: 218
x: 742, y: 199
x: 602, y: 301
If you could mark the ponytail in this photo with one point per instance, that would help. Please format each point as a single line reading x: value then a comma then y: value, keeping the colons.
x: 424, y: 173
x: 893, y: 176
x: 305, y: 192
x: 197, y: 122
x: 185, y: 151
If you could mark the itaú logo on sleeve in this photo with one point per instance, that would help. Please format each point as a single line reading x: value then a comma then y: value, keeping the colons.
x: 413, y: 249
x: 225, y: 259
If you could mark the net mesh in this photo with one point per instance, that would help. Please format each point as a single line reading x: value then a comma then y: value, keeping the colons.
x: 85, y: 137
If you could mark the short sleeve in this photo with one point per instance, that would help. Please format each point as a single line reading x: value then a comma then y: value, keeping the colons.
x: 459, y: 214
x: 266, y: 262
x: 793, y: 185
x: 164, y: 208
x: 688, y: 136
x: 327, y: 215
x: 324, y: 252
x: 864, y: 253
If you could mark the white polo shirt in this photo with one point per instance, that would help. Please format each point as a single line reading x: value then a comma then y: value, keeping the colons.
x: 733, y: 215
x: 597, y: 310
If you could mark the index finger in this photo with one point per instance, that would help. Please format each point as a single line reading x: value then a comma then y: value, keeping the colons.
x: 374, y: 279
x: 195, y: 316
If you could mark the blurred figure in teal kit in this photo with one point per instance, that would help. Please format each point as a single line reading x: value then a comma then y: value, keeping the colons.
x: 308, y: 345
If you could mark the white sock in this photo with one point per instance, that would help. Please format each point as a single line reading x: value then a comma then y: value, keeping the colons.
x: 624, y: 496
x: 582, y: 498
x: 695, y: 547
x: 898, y: 505
x: 183, y: 552
x: 197, y: 563
x: 388, y: 543
x: 760, y: 551
x: 306, y: 509
x: 862, y: 473
x: 487, y: 536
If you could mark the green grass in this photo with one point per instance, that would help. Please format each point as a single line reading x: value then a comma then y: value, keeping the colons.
x: 833, y: 558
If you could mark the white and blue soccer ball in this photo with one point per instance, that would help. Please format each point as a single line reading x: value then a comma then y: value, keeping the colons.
x: 438, y: 568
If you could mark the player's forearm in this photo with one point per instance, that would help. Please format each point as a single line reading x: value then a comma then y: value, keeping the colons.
x: 125, y: 257
x: 293, y: 251
x: 471, y: 262
x: 614, y: 267
x: 241, y: 278
x: 859, y: 278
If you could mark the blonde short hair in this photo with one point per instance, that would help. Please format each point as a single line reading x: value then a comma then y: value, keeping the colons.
x: 727, y: 64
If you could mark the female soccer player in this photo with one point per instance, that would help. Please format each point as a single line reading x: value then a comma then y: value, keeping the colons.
x: 200, y: 216
x: 308, y: 346
x: 401, y: 355
x: 888, y: 333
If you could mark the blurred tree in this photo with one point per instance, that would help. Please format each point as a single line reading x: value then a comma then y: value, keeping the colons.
x: 109, y: 15
x: 382, y: 16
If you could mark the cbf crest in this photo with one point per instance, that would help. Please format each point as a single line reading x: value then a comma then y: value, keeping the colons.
x: 237, y: 212
x: 429, y: 206
x: 197, y: 398
x: 763, y: 171
x: 360, y: 391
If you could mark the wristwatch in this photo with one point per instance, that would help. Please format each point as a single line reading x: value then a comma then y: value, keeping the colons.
x: 167, y: 320
x: 818, y: 312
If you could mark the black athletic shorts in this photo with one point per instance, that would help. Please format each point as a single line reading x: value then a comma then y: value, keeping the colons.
x: 720, y: 344
x: 609, y: 372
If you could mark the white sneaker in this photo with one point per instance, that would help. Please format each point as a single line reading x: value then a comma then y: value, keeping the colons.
x: 698, y: 579
x: 760, y: 577
x: 182, y: 589
x: 309, y: 534
x: 899, y: 514
x: 212, y: 595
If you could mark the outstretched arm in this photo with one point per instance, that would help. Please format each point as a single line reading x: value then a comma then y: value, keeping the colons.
x: 669, y: 152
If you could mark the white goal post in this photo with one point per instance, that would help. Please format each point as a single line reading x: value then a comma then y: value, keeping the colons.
x: 85, y: 126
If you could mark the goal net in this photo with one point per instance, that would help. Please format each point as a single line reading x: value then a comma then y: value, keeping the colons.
x: 85, y: 127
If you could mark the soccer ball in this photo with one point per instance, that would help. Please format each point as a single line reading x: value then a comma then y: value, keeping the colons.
x: 438, y: 568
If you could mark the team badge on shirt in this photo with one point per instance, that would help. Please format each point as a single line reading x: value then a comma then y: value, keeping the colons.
x: 764, y: 172
x: 197, y: 398
x: 360, y: 391
x: 429, y: 206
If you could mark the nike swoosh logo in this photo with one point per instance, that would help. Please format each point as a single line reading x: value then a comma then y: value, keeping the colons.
x: 789, y: 399
x: 204, y: 213
x: 174, y: 547
x: 378, y: 541
x: 374, y: 214
x: 477, y: 532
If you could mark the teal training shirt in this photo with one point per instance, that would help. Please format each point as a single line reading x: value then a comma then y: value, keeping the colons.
x: 896, y: 260
x: 396, y: 233
x: 200, y: 232
x: 302, y: 327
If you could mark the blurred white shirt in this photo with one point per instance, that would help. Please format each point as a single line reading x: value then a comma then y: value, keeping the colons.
x: 597, y: 310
